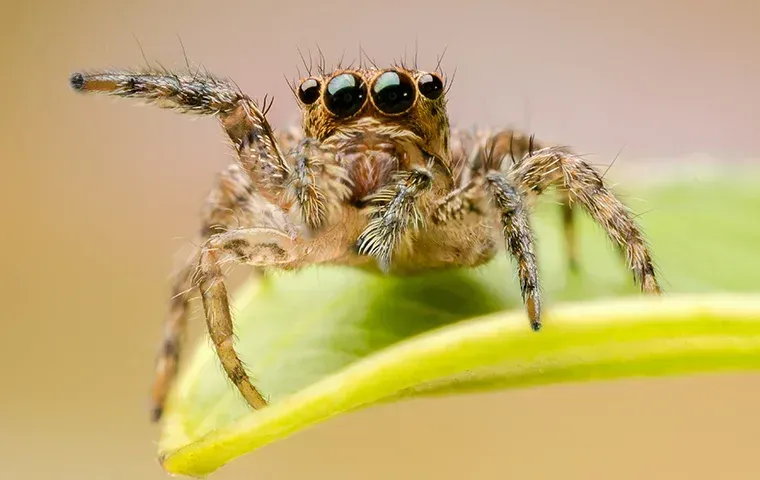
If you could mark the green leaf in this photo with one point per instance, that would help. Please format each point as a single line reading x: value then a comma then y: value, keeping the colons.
x: 329, y: 340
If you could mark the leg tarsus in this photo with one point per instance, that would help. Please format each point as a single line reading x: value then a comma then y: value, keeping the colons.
x: 199, y: 94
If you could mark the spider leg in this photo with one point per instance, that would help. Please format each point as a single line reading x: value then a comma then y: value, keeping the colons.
x: 516, y: 228
x: 306, y: 177
x: 265, y: 247
x: 231, y: 204
x: 175, y: 326
x: 394, y: 209
x: 203, y: 94
x: 490, y: 153
x: 568, y: 229
x: 312, y: 183
x: 556, y: 167
x: 519, y: 236
x: 317, y: 185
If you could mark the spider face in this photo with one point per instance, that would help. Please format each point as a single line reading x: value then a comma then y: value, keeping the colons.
x: 391, y: 103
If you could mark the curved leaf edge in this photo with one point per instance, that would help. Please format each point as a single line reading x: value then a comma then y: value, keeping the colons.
x: 582, y: 341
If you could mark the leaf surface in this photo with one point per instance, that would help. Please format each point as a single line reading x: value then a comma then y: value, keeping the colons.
x: 328, y: 340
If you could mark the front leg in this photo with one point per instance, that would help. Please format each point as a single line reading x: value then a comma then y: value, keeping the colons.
x: 203, y: 94
x: 306, y: 180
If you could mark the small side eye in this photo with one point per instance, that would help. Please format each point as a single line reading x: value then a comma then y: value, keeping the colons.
x: 308, y: 91
x: 393, y: 93
x: 345, y: 94
x: 430, y: 85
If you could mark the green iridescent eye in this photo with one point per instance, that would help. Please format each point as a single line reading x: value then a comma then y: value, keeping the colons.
x: 393, y: 93
x: 345, y: 94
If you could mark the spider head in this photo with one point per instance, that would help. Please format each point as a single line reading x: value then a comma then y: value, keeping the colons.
x: 394, y: 102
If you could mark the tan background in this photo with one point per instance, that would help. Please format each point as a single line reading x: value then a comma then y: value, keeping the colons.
x: 97, y: 196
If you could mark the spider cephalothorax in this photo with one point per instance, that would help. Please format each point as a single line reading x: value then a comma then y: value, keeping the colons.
x: 379, y: 122
x: 374, y: 178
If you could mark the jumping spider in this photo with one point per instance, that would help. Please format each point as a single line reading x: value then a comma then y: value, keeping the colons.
x: 376, y: 179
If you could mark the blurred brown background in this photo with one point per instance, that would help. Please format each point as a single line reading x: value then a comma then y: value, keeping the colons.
x: 97, y: 196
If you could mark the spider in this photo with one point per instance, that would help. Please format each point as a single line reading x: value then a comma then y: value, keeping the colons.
x: 376, y: 178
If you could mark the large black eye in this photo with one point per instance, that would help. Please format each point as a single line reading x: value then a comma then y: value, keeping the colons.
x: 308, y: 92
x: 345, y: 94
x: 430, y: 85
x: 393, y: 93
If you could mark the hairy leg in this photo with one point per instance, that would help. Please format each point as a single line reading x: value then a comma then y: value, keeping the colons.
x: 318, y: 186
x: 264, y: 247
x: 555, y: 167
x: 393, y: 210
x: 203, y: 94
x: 306, y: 181
x: 271, y: 246
x: 175, y: 326
x: 231, y: 204
x: 519, y: 236
x: 496, y: 150
x: 480, y: 197
x: 568, y: 228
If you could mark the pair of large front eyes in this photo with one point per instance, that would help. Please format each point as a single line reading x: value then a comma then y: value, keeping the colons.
x: 393, y: 93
